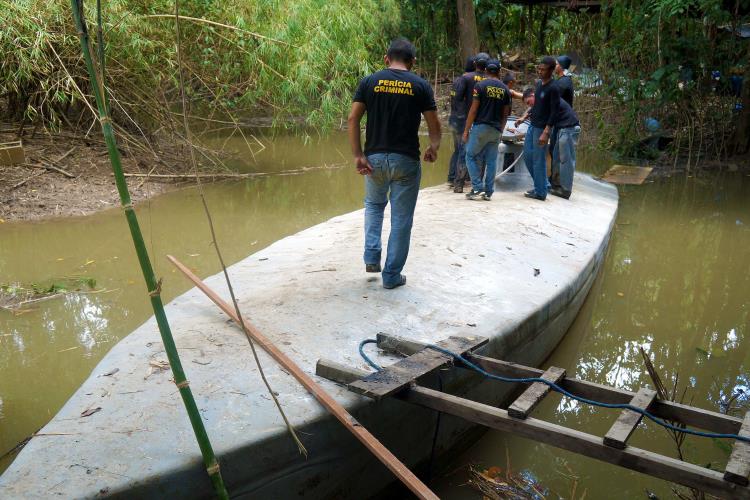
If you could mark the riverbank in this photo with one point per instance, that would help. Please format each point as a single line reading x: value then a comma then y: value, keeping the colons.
x: 66, y: 175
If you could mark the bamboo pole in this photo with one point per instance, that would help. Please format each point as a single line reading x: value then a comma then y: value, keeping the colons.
x: 153, y: 286
x: 382, y: 453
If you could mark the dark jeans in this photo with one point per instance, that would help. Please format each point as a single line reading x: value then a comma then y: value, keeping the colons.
x: 458, y: 159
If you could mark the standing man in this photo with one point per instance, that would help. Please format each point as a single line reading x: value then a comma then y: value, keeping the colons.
x: 457, y: 120
x: 470, y: 79
x: 565, y: 83
x: 395, y: 100
x: 484, y: 125
x: 543, y: 117
x: 567, y: 128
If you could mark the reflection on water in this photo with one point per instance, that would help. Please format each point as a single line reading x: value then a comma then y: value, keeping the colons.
x: 676, y: 283
x: 47, y: 352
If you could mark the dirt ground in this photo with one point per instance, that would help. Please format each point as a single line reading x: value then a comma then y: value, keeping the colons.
x: 39, y: 189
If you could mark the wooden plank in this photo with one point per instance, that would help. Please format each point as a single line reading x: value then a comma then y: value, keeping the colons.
x: 626, y: 174
x: 337, y: 372
x: 694, y: 417
x: 619, y: 433
x: 12, y: 153
x: 363, y: 435
x: 653, y: 464
x: 533, y: 395
x: 738, y: 467
x: 399, y: 375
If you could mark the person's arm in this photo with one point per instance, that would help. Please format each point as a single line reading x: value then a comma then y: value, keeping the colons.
x: 433, y: 128
x: 516, y: 94
x: 554, y: 110
x: 524, y: 117
x: 470, y: 119
x: 504, y: 117
x: 355, y: 140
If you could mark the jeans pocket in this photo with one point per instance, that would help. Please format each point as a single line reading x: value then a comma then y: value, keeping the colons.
x: 404, y: 169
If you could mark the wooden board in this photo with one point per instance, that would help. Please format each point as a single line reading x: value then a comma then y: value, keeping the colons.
x: 534, y: 394
x: 11, y: 153
x: 626, y: 174
x: 399, y: 375
x: 647, y: 462
x: 689, y: 415
x: 619, y: 433
x: 738, y: 467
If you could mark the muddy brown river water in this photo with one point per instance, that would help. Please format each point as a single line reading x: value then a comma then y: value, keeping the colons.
x: 675, y: 281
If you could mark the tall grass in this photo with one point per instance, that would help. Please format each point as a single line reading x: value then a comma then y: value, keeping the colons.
x: 270, y: 57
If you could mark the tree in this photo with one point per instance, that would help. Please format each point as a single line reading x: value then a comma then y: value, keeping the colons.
x: 467, y: 28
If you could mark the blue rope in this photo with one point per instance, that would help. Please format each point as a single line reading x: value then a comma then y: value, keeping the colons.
x: 557, y: 388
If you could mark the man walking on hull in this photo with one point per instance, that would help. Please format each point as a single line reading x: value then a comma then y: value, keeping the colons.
x: 395, y: 100
x: 484, y: 125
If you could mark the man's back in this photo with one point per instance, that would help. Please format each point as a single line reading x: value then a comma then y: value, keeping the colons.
x: 395, y: 100
x: 565, y: 84
x: 493, y: 97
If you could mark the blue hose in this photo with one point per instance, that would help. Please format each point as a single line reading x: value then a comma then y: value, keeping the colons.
x: 557, y: 388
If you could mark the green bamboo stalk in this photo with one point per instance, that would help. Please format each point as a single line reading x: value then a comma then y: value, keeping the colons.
x: 153, y: 286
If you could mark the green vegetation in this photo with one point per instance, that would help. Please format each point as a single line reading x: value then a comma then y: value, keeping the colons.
x: 289, y: 59
x: 299, y: 61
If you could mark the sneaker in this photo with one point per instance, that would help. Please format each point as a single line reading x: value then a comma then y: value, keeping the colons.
x: 401, y: 282
x: 531, y: 191
x: 487, y: 197
x: 562, y: 193
x: 372, y: 268
x: 458, y: 189
x: 450, y: 183
x: 534, y: 196
x: 474, y: 195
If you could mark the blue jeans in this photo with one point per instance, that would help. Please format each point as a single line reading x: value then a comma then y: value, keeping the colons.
x: 458, y: 159
x: 564, y: 155
x: 400, y: 175
x: 482, y: 147
x: 535, y: 157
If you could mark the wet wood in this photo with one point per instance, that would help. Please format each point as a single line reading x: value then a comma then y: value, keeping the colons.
x: 399, y: 375
x: 653, y: 464
x: 363, y: 435
x: 337, y: 372
x: 627, y: 174
x: 689, y: 415
x: 621, y: 430
x: 533, y: 395
x: 12, y: 153
x: 738, y: 467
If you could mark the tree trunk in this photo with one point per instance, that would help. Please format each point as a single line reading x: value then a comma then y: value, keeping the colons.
x: 741, y: 141
x: 467, y: 28
x: 543, y: 30
x: 530, y: 25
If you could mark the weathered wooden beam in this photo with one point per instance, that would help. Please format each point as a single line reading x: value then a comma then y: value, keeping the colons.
x: 738, y: 467
x: 337, y: 372
x: 653, y: 464
x: 688, y: 415
x: 619, y: 433
x: 397, y: 376
x: 533, y: 395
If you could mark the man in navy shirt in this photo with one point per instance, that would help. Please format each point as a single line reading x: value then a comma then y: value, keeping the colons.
x: 484, y: 125
x: 543, y: 117
x: 457, y: 120
x: 395, y: 100
x: 564, y: 82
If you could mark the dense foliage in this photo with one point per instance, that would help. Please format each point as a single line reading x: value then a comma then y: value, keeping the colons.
x: 289, y: 58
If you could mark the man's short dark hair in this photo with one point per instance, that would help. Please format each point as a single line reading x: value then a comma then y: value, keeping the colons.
x: 469, y: 64
x: 549, y: 61
x: 509, y: 77
x: 528, y: 92
x: 401, y: 50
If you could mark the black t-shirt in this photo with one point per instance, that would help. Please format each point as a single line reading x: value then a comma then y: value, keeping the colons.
x: 546, y: 104
x: 566, y: 117
x: 467, y: 85
x: 395, y: 100
x: 493, y: 96
x: 565, y: 84
x: 458, y: 107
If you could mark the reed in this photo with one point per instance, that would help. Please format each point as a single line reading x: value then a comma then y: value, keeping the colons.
x: 96, y: 78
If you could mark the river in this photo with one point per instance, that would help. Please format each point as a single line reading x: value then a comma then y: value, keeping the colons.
x: 675, y: 281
